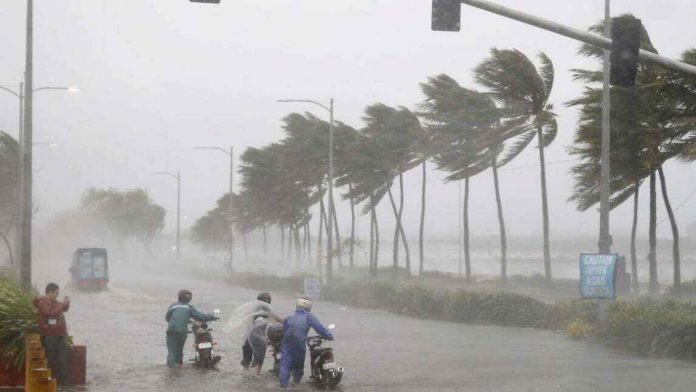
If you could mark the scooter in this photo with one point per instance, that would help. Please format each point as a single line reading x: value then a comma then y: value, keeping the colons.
x: 325, y: 371
x: 203, y: 344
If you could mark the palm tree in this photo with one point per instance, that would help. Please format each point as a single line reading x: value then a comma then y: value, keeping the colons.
x: 523, y: 90
x: 650, y: 123
x: 398, y: 132
x: 458, y: 121
x: 368, y: 174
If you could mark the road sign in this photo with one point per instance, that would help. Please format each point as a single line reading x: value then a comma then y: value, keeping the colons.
x: 598, y: 275
x: 312, y: 288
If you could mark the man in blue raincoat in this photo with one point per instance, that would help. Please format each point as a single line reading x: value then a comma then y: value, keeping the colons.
x: 177, y: 317
x: 293, y: 349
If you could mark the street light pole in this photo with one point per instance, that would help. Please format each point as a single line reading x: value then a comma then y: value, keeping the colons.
x: 26, y: 168
x: 605, y: 183
x: 329, y: 236
x: 178, y: 215
x: 177, y: 177
x: 230, y: 204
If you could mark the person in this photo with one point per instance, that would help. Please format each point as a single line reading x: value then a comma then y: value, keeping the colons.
x: 178, y: 316
x: 254, y: 347
x: 54, y: 331
x: 295, y: 328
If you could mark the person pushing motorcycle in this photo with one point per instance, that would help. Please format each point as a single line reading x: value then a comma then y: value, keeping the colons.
x: 293, y: 349
x: 177, y: 317
x: 254, y: 348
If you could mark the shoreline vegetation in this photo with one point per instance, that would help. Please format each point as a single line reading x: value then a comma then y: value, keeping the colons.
x: 663, y: 326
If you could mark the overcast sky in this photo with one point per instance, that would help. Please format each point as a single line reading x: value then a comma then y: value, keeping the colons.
x: 159, y: 77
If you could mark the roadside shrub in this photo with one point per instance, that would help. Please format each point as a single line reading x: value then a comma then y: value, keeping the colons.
x: 687, y: 289
x: 560, y: 314
x: 578, y: 329
x: 17, y: 318
x: 645, y: 326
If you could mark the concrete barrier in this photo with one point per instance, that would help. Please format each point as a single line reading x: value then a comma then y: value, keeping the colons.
x: 38, y: 375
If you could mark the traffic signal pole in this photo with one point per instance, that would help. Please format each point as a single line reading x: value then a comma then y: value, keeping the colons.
x: 577, y: 34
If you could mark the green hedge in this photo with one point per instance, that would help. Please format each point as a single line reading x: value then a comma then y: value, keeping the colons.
x: 17, y: 317
x: 644, y: 326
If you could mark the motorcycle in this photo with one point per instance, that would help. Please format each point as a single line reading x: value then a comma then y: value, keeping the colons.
x: 274, y: 333
x: 325, y: 371
x: 203, y: 344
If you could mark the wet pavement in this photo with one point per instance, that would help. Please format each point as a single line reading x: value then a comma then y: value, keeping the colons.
x: 123, y: 329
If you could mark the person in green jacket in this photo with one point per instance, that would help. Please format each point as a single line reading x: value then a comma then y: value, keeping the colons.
x: 178, y: 316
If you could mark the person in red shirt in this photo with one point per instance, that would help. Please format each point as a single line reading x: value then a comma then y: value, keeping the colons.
x: 54, y: 331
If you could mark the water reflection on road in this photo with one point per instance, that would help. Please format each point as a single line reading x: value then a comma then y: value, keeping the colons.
x: 124, y: 332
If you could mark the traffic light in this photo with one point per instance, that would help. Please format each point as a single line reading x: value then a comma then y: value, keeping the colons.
x: 446, y: 15
x: 206, y: 1
x: 625, y: 44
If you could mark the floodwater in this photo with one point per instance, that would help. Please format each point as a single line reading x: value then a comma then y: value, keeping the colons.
x: 123, y: 330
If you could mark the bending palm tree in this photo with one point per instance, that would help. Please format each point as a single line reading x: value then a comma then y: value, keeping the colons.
x: 523, y: 91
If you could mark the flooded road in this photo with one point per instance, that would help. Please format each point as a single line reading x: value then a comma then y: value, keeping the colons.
x: 123, y: 330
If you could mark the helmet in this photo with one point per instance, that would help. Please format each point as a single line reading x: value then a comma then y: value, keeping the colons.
x: 304, y: 303
x: 184, y: 296
x: 265, y: 297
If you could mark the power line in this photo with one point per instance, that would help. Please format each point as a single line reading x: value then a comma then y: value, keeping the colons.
x: 680, y: 206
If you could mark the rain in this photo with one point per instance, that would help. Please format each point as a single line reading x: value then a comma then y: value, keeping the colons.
x: 425, y: 186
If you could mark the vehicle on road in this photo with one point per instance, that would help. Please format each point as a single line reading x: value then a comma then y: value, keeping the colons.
x: 204, y: 345
x: 325, y: 372
x: 274, y: 332
x: 90, y: 269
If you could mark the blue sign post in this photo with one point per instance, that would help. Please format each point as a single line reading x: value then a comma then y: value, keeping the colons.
x: 312, y: 288
x: 598, y: 275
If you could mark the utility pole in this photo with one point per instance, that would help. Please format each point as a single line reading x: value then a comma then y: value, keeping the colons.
x: 605, y: 177
x: 177, y: 177
x: 329, y: 237
x: 26, y: 167
x: 178, y: 215
x: 230, y: 204
x: 230, y: 211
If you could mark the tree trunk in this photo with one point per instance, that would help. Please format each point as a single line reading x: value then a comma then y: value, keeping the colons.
x: 282, y: 242
x: 308, y: 233
x: 244, y: 241
x: 352, y: 228
x: 298, y: 247
x: 465, y: 218
x: 9, y: 248
x: 264, y: 242
x: 653, y: 287
x: 403, y: 235
x: 544, y: 210
x: 422, y: 223
x: 395, y: 251
x: 501, y: 222
x: 634, y: 258
x: 372, y: 239
x: 401, y: 230
x: 676, y: 258
x: 338, y: 238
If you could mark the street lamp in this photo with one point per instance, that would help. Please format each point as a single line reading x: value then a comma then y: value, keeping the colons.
x: 230, y: 209
x: 24, y: 196
x: 329, y: 240
x: 177, y: 177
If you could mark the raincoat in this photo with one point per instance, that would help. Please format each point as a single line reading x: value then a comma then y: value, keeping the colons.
x: 247, y: 319
x: 178, y: 316
x: 293, y: 350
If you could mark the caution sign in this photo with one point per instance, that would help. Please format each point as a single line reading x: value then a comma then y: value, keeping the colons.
x: 598, y: 275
